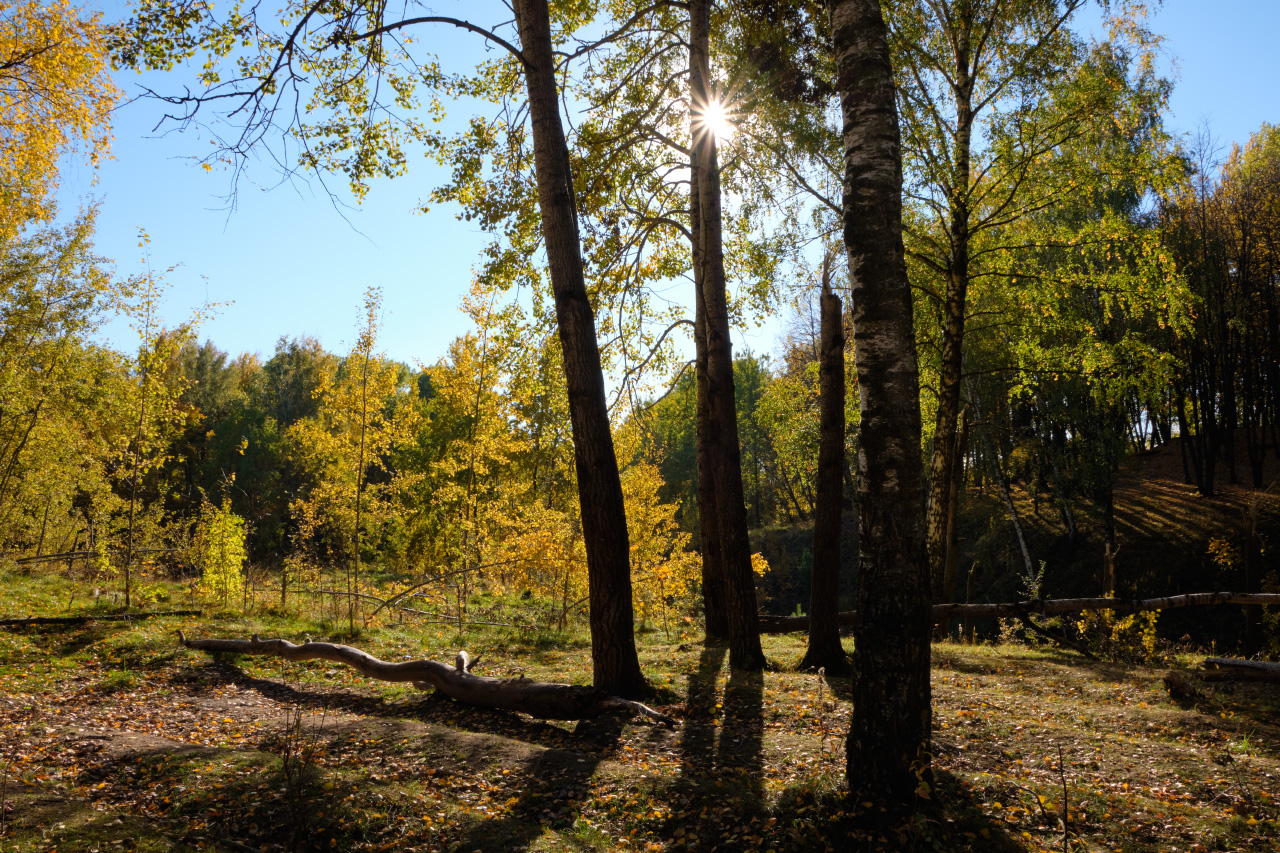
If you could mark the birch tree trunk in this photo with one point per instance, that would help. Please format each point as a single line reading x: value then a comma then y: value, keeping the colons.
x: 888, y: 742
x: 615, y: 664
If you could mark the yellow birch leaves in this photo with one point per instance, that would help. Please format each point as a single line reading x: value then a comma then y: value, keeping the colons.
x: 56, y: 95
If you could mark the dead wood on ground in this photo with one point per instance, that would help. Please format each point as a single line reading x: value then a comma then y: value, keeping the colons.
x: 103, y: 617
x: 540, y: 699
x: 1234, y: 669
x: 1018, y: 609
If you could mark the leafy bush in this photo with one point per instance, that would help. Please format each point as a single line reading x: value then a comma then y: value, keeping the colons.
x: 223, y: 553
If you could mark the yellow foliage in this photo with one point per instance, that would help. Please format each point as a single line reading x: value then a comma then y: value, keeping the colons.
x: 539, y: 550
x: 1223, y: 553
x: 663, y: 570
x: 222, y: 553
x: 1130, y: 638
x: 55, y: 95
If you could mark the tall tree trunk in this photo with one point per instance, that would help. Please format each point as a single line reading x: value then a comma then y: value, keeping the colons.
x: 714, y: 595
x: 824, y: 648
x: 953, y: 533
x: 946, y: 429
x: 1252, y: 576
x: 724, y: 452
x: 888, y: 743
x: 615, y: 664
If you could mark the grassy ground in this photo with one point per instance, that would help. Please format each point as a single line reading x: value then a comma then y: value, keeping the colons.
x: 112, y: 737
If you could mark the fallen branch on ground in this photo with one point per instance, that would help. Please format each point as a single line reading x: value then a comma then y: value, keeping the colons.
x: 105, y: 617
x: 73, y: 555
x: 338, y: 593
x: 536, y: 698
x: 1223, y: 669
x: 1018, y: 609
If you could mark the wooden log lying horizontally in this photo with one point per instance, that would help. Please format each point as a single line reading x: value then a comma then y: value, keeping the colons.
x: 104, y: 617
x: 73, y: 555
x: 941, y: 612
x: 1222, y: 669
x: 536, y: 698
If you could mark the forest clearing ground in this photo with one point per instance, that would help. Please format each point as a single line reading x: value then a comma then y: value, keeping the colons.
x: 112, y: 737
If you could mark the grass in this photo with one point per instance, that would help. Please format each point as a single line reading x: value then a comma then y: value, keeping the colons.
x: 112, y: 737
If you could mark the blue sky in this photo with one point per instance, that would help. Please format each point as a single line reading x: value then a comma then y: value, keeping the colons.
x: 286, y: 262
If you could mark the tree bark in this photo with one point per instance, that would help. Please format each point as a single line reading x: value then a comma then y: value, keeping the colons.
x: 616, y: 665
x: 824, y: 648
x: 1252, y: 577
x: 889, y: 737
x: 714, y: 594
x: 540, y: 699
x: 951, y: 544
x: 950, y: 372
x: 723, y: 450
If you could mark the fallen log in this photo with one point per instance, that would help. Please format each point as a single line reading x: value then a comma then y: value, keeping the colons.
x: 73, y: 555
x: 1224, y: 669
x: 540, y: 699
x: 1019, y: 609
x: 105, y: 617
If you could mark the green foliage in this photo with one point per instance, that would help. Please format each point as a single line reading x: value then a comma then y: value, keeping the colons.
x: 62, y: 417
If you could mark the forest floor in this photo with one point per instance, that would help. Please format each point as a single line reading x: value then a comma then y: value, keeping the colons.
x: 113, y: 738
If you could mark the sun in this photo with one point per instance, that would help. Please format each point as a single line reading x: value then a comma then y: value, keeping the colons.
x: 716, y: 118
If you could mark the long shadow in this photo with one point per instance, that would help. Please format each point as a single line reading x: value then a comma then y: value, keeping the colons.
x: 698, y: 733
x: 430, y: 708
x: 720, y: 779
x: 63, y: 641
x: 962, y: 825
x: 549, y: 789
x: 739, y: 752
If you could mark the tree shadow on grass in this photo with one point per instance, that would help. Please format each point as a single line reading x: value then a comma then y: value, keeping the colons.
x: 718, y: 801
x: 961, y: 824
x: 428, y: 708
x: 952, y: 821
x: 739, y: 751
x: 65, y: 641
x: 548, y: 792
x: 698, y: 733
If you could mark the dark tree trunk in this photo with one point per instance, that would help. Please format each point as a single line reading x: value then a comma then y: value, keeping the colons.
x: 615, y: 665
x: 1252, y: 576
x: 713, y: 589
x: 824, y: 648
x: 953, y: 532
x: 714, y: 595
x: 888, y: 743
x: 723, y: 450
x: 946, y: 426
